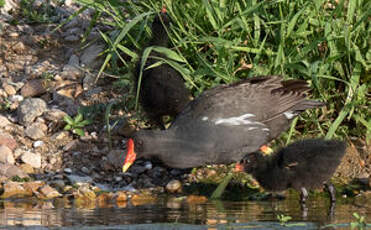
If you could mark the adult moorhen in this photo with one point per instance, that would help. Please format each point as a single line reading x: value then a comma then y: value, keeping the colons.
x: 224, y: 123
x: 305, y: 164
x: 162, y: 88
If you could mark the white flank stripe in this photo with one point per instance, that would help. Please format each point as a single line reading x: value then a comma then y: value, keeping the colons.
x: 289, y: 115
x: 205, y: 118
x: 241, y: 120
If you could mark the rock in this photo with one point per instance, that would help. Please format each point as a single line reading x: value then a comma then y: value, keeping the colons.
x: 71, y: 145
x: 16, y: 98
x: 10, y: 171
x: 54, y: 115
x: 174, y: 186
x: 74, y: 60
x: 142, y: 199
x: 9, y: 5
x: 36, y: 131
x: 121, y: 196
x: 85, y: 170
x: 32, y: 159
x: 9, y: 89
x: 19, y: 48
x: 71, y: 72
x: 38, y: 144
x: 27, y: 168
x: 33, y: 88
x: 49, y: 192
x: 33, y: 186
x: 68, y: 2
x: 4, y: 121
x: 59, y: 135
x: 6, y: 155
x: 90, y: 55
x: 74, y: 179
x: 15, y: 190
x: 38, y: 69
x: 67, y: 170
x: 29, y: 109
x: 58, y: 183
x: 193, y: 199
x: 85, y: 193
x: 8, y: 141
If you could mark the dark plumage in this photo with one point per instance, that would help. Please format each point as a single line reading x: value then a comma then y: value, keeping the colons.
x: 305, y: 164
x: 225, y: 123
x: 162, y: 91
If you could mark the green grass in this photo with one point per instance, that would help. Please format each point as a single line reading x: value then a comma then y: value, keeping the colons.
x: 323, y: 42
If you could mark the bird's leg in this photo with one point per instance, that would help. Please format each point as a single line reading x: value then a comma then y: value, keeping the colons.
x: 331, y: 190
x: 303, y: 198
x: 303, y: 195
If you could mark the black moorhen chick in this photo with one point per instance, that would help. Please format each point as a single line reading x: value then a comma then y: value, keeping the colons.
x: 162, y: 90
x: 224, y: 123
x: 305, y: 164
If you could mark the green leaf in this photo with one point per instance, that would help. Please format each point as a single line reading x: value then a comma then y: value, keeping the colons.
x: 79, y: 132
x: 79, y: 117
x: 68, y: 120
x: 169, y: 54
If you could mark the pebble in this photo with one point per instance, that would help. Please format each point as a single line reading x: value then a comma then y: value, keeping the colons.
x: 16, y: 98
x: 4, y: 121
x: 37, y: 144
x: 67, y: 170
x: 8, y: 141
x: 6, y: 155
x: 33, y: 159
x: 29, y: 109
x: 74, y: 179
x: 36, y: 131
x: 33, y: 88
x: 85, y: 170
x: 10, y: 171
x: 174, y: 186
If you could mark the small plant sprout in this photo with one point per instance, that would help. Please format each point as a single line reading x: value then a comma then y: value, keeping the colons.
x: 76, y: 124
x: 283, y: 219
x: 359, y: 223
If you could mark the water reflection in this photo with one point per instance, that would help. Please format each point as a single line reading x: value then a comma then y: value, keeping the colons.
x: 212, y: 214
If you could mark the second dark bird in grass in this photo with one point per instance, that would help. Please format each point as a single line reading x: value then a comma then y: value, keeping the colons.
x: 162, y: 88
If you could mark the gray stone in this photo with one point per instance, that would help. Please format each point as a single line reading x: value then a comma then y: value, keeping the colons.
x: 90, y: 55
x: 54, y: 115
x: 74, y: 60
x: 36, y: 131
x: 29, y: 109
x: 6, y: 155
x: 32, y: 159
x: 71, y: 72
x: 67, y: 170
x: 73, y: 178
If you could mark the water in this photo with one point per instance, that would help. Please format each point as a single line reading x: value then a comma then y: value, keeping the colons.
x: 166, y: 214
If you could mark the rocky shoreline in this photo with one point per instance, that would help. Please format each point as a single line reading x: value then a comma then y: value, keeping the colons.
x: 45, y: 76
